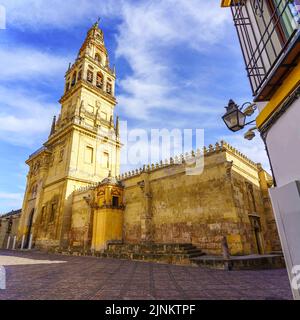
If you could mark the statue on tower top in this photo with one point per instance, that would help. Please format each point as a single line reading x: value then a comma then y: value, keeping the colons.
x: 96, y: 24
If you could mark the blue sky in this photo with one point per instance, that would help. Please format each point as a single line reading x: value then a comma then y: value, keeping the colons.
x: 178, y: 62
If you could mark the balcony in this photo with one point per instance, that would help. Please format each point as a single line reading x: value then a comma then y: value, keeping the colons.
x: 269, y: 36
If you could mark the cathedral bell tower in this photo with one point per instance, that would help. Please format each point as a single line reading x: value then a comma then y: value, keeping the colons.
x: 88, y: 105
x: 82, y: 148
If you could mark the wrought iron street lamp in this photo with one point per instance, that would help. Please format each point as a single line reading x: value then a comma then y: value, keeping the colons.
x: 235, y: 118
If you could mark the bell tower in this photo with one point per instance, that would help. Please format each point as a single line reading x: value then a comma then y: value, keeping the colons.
x: 83, y: 146
x: 87, y: 106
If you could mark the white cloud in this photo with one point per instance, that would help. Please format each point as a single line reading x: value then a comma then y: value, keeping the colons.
x: 41, y: 14
x: 26, y: 114
x: 149, y: 36
x: 11, y: 196
x: 10, y: 201
x: 191, y: 22
x: 254, y: 149
x: 21, y: 63
x: 25, y: 117
x: 148, y: 33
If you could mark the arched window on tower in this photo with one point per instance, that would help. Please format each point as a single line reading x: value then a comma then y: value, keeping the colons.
x: 99, y: 80
x: 79, y: 75
x: 73, y: 79
x: 67, y: 86
x: 109, y: 88
x: 97, y: 58
x: 90, y: 76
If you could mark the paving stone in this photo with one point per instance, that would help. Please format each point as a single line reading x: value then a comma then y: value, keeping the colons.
x: 111, y: 279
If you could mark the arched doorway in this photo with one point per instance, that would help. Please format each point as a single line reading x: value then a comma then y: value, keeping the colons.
x: 30, y: 221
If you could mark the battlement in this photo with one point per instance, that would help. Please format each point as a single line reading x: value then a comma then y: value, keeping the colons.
x: 90, y: 186
x: 187, y: 158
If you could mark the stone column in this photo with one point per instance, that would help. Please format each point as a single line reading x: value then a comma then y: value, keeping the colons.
x: 23, y: 240
x: 146, y: 215
x: 8, y: 242
x: 14, y: 243
x: 30, y: 242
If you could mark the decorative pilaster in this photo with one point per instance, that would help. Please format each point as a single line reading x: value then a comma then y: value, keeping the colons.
x: 146, y: 216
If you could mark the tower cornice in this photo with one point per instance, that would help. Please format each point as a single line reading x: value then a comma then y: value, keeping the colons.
x: 94, y: 133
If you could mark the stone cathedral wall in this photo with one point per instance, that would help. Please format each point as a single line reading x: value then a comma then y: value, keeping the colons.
x: 200, y: 209
x: 164, y: 204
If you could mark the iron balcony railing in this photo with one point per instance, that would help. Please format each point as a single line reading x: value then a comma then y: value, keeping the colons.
x: 265, y: 29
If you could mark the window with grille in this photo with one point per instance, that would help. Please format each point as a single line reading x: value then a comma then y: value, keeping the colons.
x: 265, y: 28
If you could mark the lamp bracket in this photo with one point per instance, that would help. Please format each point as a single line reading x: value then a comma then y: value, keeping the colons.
x: 246, y: 124
x: 249, y: 104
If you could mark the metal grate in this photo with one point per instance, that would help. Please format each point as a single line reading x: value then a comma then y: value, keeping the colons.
x: 265, y: 28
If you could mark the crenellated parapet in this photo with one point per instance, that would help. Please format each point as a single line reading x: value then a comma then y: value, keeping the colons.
x: 189, y: 158
x: 226, y: 146
x: 186, y: 159
x: 90, y: 186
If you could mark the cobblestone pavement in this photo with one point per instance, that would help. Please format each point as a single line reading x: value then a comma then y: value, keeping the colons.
x: 96, y: 278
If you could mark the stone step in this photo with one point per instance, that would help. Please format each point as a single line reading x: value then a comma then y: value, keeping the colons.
x: 178, y: 253
x: 149, y: 248
x: 249, y: 262
x: 155, y: 257
x: 195, y: 250
x: 199, y: 253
